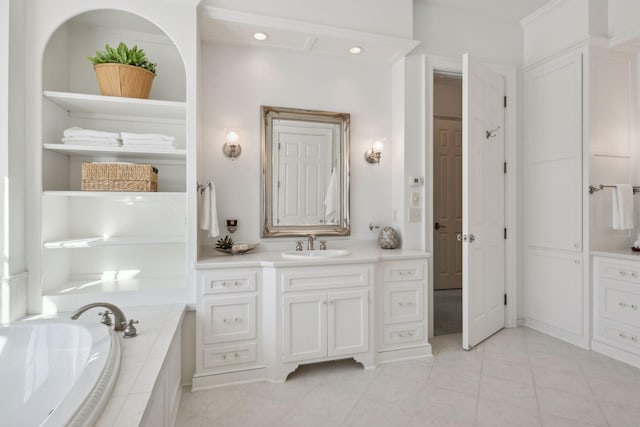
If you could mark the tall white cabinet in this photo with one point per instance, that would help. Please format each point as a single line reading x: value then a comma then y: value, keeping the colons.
x: 127, y: 248
x: 579, y: 127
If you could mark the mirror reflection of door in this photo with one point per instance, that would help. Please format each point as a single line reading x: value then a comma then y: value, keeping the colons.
x: 303, y: 172
x: 447, y: 203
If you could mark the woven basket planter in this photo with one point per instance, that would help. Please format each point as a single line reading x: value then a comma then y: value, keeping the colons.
x: 119, y: 177
x: 124, y: 80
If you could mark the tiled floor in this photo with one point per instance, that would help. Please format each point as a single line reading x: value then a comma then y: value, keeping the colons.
x: 519, y: 377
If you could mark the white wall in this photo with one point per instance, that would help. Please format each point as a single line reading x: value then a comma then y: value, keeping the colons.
x: 389, y: 17
x: 236, y: 81
x: 4, y: 133
x: 623, y: 18
x: 451, y: 31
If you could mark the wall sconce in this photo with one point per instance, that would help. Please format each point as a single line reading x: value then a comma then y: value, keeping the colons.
x: 231, y: 147
x: 374, y: 154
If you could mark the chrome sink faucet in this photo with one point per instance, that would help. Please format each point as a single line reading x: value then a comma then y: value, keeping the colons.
x: 120, y: 320
x: 310, y: 240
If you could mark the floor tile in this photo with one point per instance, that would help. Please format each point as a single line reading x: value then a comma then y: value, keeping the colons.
x: 519, y: 377
x: 492, y: 413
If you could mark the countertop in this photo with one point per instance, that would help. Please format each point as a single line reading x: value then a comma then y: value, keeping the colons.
x: 259, y: 258
x: 625, y: 254
x: 140, y: 363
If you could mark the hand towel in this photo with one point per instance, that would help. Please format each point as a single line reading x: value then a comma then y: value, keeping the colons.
x: 208, y: 211
x: 331, y: 199
x: 150, y: 142
x: 622, y: 201
x: 76, y: 131
x: 153, y: 136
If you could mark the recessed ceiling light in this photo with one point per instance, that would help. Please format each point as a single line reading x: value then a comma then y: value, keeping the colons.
x: 260, y: 36
x: 355, y: 50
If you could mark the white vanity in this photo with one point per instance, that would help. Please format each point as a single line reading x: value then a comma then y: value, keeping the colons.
x: 261, y: 315
x: 616, y: 308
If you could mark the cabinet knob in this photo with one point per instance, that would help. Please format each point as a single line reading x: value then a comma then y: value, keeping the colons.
x: 623, y: 273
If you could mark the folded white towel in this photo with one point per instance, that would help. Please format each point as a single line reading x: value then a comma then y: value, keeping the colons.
x: 150, y: 147
x: 622, y: 207
x: 208, y: 211
x: 151, y: 142
x: 331, y: 199
x: 76, y: 131
x: 151, y: 136
x: 89, y: 140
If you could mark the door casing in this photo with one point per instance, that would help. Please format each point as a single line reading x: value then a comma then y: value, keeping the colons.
x: 433, y: 64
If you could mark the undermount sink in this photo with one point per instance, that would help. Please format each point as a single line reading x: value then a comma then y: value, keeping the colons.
x: 316, y: 254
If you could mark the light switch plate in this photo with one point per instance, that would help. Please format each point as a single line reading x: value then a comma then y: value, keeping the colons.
x: 415, y: 214
x: 415, y: 199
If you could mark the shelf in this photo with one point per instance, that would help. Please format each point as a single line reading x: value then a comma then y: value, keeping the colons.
x: 124, y: 195
x: 94, y: 242
x: 119, y: 152
x: 79, y: 103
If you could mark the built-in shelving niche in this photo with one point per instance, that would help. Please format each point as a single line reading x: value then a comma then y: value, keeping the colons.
x: 129, y: 246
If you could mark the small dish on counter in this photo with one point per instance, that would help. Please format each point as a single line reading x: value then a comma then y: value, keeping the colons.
x: 239, y: 248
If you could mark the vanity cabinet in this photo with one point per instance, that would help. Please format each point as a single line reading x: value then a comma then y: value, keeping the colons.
x: 228, y: 325
x: 325, y: 314
x: 321, y: 325
x: 403, y: 322
x: 616, y: 292
x: 260, y: 316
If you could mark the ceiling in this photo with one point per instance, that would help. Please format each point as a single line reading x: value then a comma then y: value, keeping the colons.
x: 237, y: 28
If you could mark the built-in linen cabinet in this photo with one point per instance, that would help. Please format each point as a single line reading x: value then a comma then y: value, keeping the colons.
x: 125, y: 244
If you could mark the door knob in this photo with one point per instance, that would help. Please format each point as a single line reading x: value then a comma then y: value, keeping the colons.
x: 472, y: 238
x: 437, y: 226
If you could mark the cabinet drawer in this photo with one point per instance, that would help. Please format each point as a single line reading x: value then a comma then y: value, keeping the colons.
x: 403, y: 302
x: 229, y: 318
x: 629, y: 272
x: 405, y: 333
x: 216, y: 283
x: 326, y: 277
x: 626, y: 337
x: 403, y: 271
x: 215, y: 356
x: 619, y: 301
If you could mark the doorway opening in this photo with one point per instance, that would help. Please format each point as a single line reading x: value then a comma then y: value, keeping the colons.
x: 447, y: 203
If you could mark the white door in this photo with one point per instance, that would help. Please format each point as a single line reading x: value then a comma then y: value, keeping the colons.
x: 305, y: 326
x: 348, y: 322
x: 447, y: 183
x: 483, y: 281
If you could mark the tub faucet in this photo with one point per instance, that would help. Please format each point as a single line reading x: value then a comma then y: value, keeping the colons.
x: 310, y: 240
x: 119, y: 317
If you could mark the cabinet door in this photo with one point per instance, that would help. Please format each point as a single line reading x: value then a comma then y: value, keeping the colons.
x: 348, y: 319
x: 304, y: 326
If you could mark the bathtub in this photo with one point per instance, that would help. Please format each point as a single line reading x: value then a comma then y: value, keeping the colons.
x: 56, y: 372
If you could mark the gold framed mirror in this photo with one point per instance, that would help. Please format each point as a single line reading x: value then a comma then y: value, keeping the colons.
x: 305, y: 172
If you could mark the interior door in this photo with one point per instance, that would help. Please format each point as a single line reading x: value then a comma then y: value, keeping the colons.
x: 483, y: 176
x: 447, y: 183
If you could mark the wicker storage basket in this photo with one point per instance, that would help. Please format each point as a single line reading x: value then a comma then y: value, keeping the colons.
x: 124, y: 80
x: 119, y: 177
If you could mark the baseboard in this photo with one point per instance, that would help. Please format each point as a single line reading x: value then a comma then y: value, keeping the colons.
x: 204, y: 382
x: 563, y: 335
x: 616, y: 353
x: 404, y: 354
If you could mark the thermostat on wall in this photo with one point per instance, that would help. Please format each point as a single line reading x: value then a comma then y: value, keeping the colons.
x: 416, y: 181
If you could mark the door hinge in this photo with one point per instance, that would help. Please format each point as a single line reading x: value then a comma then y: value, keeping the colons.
x: 505, y: 167
x: 505, y: 233
x: 505, y: 299
x: 505, y: 102
x: 278, y: 146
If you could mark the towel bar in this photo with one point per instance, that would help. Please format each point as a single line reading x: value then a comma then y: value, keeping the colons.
x: 594, y: 188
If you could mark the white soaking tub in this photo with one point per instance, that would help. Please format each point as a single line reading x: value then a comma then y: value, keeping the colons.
x: 56, y: 372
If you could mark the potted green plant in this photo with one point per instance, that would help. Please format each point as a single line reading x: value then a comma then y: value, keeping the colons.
x: 123, y: 71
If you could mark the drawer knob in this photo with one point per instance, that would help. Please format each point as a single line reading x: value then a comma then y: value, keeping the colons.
x: 232, y: 320
x: 634, y: 339
x: 405, y: 304
x: 404, y: 273
x: 623, y: 273
x: 634, y: 275
x: 623, y: 305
